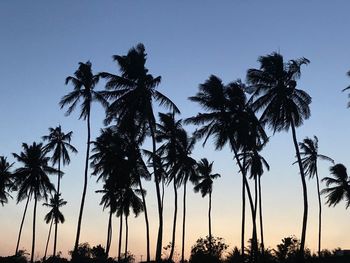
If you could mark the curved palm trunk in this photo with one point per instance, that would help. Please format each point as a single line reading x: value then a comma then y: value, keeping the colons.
x: 109, y: 232
x: 148, y: 258
x: 261, y: 219
x: 126, y: 236
x: 303, y: 182
x: 159, y: 199
x: 85, y: 185
x: 183, y: 225
x: 21, y: 227
x: 174, y: 223
x: 120, y: 237
x: 58, y: 192
x: 33, y: 240
x: 209, y: 217
x: 243, y: 219
x: 319, y: 214
x: 48, y: 240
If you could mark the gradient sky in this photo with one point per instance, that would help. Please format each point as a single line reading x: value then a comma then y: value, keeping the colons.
x: 186, y: 41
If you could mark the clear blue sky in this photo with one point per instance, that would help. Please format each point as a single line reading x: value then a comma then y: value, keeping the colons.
x: 186, y: 41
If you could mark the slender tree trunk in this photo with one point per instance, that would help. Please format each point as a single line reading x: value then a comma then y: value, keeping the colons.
x: 21, y: 227
x: 33, y: 240
x: 109, y: 232
x: 174, y: 222
x: 319, y: 214
x: 159, y: 198
x: 243, y: 219
x: 183, y: 224
x: 126, y: 236
x: 303, y: 182
x: 48, y: 240
x: 85, y: 185
x: 148, y: 258
x: 58, y: 192
x: 120, y: 237
x: 162, y: 193
x: 261, y: 220
x: 209, y: 217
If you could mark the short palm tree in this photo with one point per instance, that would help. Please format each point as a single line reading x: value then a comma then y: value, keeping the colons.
x: 54, y: 216
x: 205, y: 186
x: 59, y: 143
x: 340, y: 186
x: 283, y: 106
x: 6, y: 180
x: 32, y: 178
x: 310, y: 155
x: 132, y: 94
x: 84, y: 83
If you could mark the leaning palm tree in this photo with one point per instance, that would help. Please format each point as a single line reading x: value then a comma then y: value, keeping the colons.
x: 32, y: 178
x: 59, y: 143
x: 310, y: 155
x: 132, y: 94
x: 205, y: 186
x: 6, y: 182
x: 54, y: 216
x: 84, y: 82
x: 283, y: 106
x: 341, y: 189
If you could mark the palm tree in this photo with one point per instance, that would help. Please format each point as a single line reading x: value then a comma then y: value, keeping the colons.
x: 205, y: 186
x: 54, y: 216
x: 229, y: 119
x: 341, y: 190
x: 310, y: 155
x: 84, y: 83
x: 283, y: 106
x: 132, y: 94
x: 59, y: 143
x: 6, y: 183
x: 32, y: 178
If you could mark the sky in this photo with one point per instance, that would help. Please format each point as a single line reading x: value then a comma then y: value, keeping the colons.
x: 186, y: 41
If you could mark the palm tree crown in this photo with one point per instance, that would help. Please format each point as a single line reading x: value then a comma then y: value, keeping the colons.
x: 6, y: 180
x: 55, y: 214
x: 205, y: 185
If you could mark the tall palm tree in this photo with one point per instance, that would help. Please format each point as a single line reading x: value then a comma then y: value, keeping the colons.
x: 283, y: 106
x: 59, y: 143
x: 6, y: 182
x: 54, y: 215
x: 32, y: 178
x: 229, y: 120
x: 310, y: 155
x: 84, y: 82
x: 205, y: 186
x: 132, y: 94
x: 341, y: 189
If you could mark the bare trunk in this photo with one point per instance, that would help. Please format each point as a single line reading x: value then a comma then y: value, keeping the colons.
x: 303, y: 182
x: 48, y: 240
x: 243, y: 219
x: 261, y: 219
x: 146, y: 220
x: 183, y: 225
x: 174, y: 223
x: 109, y: 232
x: 85, y: 186
x: 319, y: 214
x: 209, y: 217
x: 21, y: 227
x: 126, y: 236
x: 120, y: 237
x: 33, y: 240
x: 58, y: 192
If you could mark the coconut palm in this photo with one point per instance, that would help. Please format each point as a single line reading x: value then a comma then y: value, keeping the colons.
x: 132, y: 94
x: 205, y: 186
x: 6, y: 180
x: 310, y: 155
x: 340, y: 186
x: 229, y: 120
x: 283, y: 106
x: 59, y: 143
x: 32, y: 178
x: 54, y: 216
x: 84, y: 82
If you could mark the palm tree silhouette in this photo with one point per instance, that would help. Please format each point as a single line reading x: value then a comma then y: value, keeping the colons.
x: 32, y: 178
x: 54, y: 216
x: 6, y: 182
x: 84, y: 83
x: 59, y: 143
x: 310, y: 155
x: 205, y: 186
x: 283, y: 106
x: 341, y: 189
x: 133, y: 93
